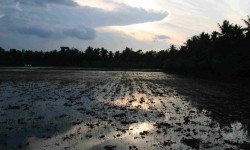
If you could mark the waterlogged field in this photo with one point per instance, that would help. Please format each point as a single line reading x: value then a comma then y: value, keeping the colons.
x: 120, y: 110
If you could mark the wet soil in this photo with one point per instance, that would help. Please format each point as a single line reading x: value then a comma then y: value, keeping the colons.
x: 67, y: 109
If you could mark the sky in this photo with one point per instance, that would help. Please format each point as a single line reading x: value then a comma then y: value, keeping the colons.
x: 112, y: 24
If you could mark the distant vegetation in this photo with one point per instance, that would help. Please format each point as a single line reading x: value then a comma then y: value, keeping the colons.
x: 220, y: 54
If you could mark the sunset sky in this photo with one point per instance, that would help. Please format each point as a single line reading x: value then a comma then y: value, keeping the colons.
x: 113, y: 24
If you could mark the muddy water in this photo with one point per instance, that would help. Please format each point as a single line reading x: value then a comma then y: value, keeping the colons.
x: 120, y: 110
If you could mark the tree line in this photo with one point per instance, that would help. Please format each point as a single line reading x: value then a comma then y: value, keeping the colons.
x: 225, y: 53
x: 222, y: 53
x: 90, y: 58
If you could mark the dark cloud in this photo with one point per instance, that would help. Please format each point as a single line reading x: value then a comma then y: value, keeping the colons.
x: 50, y: 20
x: 34, y: 22
x: 161, y: 37
x: 1, y: 14
x: 40, y: 32
x: 42, y: 3
x: 88, y: 16
x: 124, y: 15
x: 83, y: 33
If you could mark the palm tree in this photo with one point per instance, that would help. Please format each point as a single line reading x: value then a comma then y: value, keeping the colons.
x: 247, y: 22
x: 172, y: 48
x: 204, y: 38
x: 104, y: 53
x: 214, y: 36
x: 237, y: 32
x: 231, y: 31
x: 225, y: 28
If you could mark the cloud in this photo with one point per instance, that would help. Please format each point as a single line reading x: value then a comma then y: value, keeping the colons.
x: 119, y: 41
x: 112, y: 5
x: 57, y: 21
x: 43, y: 3
x: 161, y: 37
x: 83, y: 33
x: 131, y: 15
x: 245, y: 6
x: 120, y: 23
x: 95, y: 17
x: 40, y: 32
x: 158, y: 38
x: 88, y: 16
x: 2, y: 15
x: 150, y: 5
x: 100, y: 4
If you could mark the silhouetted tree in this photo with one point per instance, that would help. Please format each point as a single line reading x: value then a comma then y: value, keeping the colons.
x: 225, y: 53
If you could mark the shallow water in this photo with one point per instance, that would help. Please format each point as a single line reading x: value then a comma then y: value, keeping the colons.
x: 118, y: 110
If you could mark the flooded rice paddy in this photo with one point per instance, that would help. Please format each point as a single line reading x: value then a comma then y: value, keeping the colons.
x: 120, y: 110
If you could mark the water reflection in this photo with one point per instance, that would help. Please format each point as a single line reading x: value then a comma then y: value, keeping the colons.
x: 140, y: 127
x: 235, y: 133
x: 123, y: 110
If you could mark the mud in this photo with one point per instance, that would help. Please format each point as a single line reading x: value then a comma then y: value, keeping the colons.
x: 120, y: 110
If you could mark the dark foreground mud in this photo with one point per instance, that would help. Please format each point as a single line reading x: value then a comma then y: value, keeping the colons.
x: 120, y: 110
